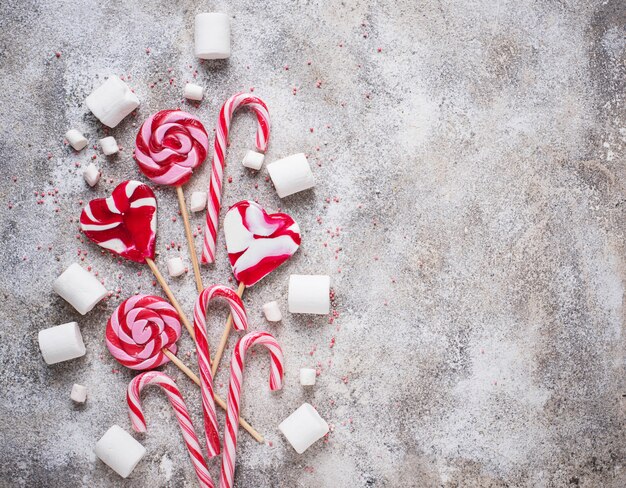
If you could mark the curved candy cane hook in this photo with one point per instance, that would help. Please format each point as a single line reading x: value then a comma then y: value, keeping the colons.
x: 240, y: 322
x: 234, y: 394
x: 227, y: 111
x: 182, y: 415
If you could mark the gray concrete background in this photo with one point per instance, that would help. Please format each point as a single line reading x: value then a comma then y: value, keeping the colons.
x: 469, y: 159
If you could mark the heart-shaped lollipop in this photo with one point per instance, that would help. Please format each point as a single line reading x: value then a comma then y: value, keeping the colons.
x: 125, y: 222
x: 258, y: 242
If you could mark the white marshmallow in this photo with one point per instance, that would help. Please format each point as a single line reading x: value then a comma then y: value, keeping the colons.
x: 80, y: 288
x: 309, y: 294
x: 91, y: 174
x: 109, y: 145
x: 76, y: 139
x: 112, y: 101
x: 61, y: 343
x: 120, y: 451
x: 175, y: 266
x: 193, y: 92
x: 79, y: 393
x: 212, y: 36
x: 253, y: 160
x: 307, y: 376
x: 198, y: 201
x: 291, y: 175
x: 303, y: 427
x: 272, y: 312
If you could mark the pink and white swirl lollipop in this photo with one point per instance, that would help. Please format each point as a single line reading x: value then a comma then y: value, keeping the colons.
x: 169, y: 146
x: 204, y: 357
x: 234, y: 394
x: 138, y: 420
x: 140, y: 329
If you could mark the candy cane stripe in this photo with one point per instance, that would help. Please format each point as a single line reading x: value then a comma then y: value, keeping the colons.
x: 219, y: 150
x: 172, y: 392
x: 234, y: 394
x: 240, y: 322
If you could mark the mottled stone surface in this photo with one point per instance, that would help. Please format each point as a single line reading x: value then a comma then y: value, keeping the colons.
x: 469, y: 208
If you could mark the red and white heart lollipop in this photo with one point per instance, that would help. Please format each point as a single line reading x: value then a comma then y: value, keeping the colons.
x: 257, y: 244
x: 125, y: 222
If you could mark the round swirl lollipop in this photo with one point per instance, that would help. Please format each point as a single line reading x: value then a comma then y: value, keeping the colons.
x: 168, y: 147
x: 140, y: 329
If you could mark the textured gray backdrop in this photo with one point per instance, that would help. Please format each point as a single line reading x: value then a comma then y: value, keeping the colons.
x: 469, y: 208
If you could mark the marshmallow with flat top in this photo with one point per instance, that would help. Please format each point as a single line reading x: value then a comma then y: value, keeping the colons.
x: 253, y: 160
x: 193, y: 92
x: 303, y: 427
x: 112, y: 101
x: 61, y: 343
x: 309, y: 294
x: 198, y: 201
x: 212, y: 36
x: 291, y: 175
x: 76, y: 139
x: 272, y: 312
x: 175, y: 266
x: 80, y: 288
x: 109, y: 145
x: 120, y: 451
x: 307, y: 376
x: 79, y: 393
x: 91, y: 174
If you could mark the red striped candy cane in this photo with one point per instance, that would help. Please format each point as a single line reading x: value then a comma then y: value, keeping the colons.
x: 133, y: 397
x: 219, y: 156
x: 234, y: 394
x: 240, y: 321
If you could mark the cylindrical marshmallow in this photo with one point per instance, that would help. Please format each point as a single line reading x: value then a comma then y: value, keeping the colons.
x: 291, y: 175
x: 307, y: 376
x: 61, y: 343
x: 303, y: 427
x: 193, y: 92
x: 80, y: 288
x: 272, y: 312
x: 91, y: 174
x: 120, y: 451
x: 253, y: 160
x: 79, y: 393
x: 109, y: 145
x: 175, y: 266
x: 76, y: 139
x: 212, y: 36
x: 198, y: 201
x: 112, y: 101
x: 309, y: 294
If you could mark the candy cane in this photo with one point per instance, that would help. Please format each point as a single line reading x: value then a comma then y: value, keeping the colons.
x: 138, y: 420
x: 240, y: 319
x: 234, y: 394
x: 219, y: 152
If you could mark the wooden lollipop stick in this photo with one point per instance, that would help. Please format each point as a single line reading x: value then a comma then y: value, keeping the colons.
x: 218, y: 400
x: 190, y: 242
x: 170, y: 296
x: 225, y: 333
